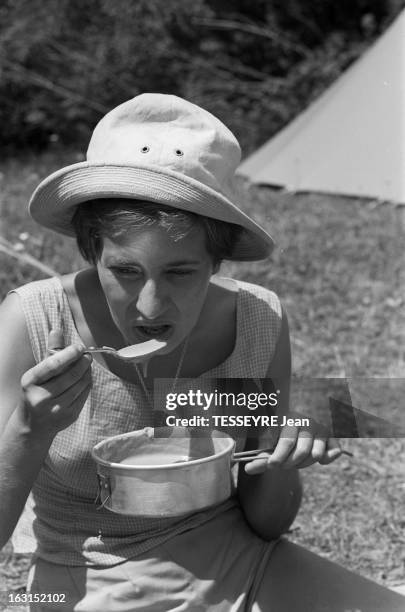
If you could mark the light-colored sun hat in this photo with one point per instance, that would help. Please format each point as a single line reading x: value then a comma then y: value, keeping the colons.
x: 158, y: 148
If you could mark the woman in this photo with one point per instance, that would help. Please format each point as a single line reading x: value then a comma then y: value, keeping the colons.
x: 153, y: 210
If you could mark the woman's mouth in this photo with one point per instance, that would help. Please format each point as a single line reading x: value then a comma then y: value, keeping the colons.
x: 154, y: 331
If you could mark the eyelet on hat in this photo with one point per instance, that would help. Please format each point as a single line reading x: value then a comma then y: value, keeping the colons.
x: 179, y: 152
x: 145, y: 149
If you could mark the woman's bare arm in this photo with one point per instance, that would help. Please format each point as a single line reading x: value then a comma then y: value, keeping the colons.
x: 20, y: 456
x: 271, y: 499
x: 15, y: 355
x: 36, y: 401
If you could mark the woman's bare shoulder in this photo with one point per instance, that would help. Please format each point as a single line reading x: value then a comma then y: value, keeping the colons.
x: 12, y: 321
x: 15, y: 345
x: 16, y: 356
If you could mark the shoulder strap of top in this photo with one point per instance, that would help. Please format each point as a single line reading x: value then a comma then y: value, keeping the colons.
x: 259, y: 316
x: 260, y: 325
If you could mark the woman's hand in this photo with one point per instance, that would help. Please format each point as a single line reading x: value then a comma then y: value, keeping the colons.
x: 54, y: 391
x: 298, y: 446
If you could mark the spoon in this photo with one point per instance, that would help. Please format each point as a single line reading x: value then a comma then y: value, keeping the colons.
x: 134, y: 352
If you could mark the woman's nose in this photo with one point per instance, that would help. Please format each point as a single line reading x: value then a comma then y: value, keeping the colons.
x: 151, y: 302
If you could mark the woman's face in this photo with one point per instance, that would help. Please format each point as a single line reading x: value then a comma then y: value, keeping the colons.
x: 155, y: 287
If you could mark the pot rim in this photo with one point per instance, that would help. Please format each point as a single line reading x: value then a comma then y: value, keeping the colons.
x: 166, y: 466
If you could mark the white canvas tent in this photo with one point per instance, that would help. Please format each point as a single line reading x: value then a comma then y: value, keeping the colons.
x: 352, y: 139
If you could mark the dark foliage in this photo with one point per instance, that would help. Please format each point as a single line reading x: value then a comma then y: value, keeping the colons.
x: 254, y: 63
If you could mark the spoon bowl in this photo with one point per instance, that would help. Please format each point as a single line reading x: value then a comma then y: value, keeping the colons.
x: 134, y: 352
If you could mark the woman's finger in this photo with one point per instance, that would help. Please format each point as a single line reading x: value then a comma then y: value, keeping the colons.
x: 285, y: 445
x: 302, y: 451
x: 333, y: 451
x: 52, y: 366
x: 319, y: 449
x: 52, y: 392
x: 258, y: 465
x: 69, y: 406
x: 67, y: 400
x: 61, y: 382
x: 55, y: 340
x: 315, y: 455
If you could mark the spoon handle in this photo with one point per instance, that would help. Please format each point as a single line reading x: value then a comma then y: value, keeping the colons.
x: 101, y: 349
x: 92, y: 349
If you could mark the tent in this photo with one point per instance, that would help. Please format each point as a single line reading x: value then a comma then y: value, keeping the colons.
x: 351, y: 140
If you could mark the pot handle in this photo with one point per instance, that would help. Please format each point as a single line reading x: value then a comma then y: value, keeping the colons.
x: 104, y: 491
x: 245, y: 456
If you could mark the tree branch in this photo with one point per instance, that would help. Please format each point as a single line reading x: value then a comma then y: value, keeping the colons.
x: 7, y: 248
x: 226, y: 24
x: 38, y: 79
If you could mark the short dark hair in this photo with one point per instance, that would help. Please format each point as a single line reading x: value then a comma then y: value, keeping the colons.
x: 112, y: 218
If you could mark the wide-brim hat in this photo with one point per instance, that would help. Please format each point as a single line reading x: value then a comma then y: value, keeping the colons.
x: 162, y: 149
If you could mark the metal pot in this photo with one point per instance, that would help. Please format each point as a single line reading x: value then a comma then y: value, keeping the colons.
x: 164, y: 471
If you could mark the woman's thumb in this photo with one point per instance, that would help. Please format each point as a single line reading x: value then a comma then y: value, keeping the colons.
x: 55, y: 340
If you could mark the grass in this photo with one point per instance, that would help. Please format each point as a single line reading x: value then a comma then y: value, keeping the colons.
x: 339, y: 267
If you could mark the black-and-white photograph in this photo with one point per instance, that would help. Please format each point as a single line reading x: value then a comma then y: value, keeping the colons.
x: 202, y: 317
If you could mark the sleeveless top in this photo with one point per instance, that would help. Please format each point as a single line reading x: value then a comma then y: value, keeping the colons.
x: 68, y: 527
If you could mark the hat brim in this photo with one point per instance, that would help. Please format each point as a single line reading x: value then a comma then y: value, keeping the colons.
x: 52, y: 203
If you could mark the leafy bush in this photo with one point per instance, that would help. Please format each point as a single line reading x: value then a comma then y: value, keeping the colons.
x: 255, y: 64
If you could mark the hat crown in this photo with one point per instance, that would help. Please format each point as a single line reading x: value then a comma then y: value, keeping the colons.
x: 167, y: 132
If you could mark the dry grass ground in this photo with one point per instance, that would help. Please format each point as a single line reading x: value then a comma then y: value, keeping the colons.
x: 339, y: 268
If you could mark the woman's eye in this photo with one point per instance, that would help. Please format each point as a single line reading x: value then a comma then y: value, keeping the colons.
x: 125, y: 271
x: 181, y: 272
